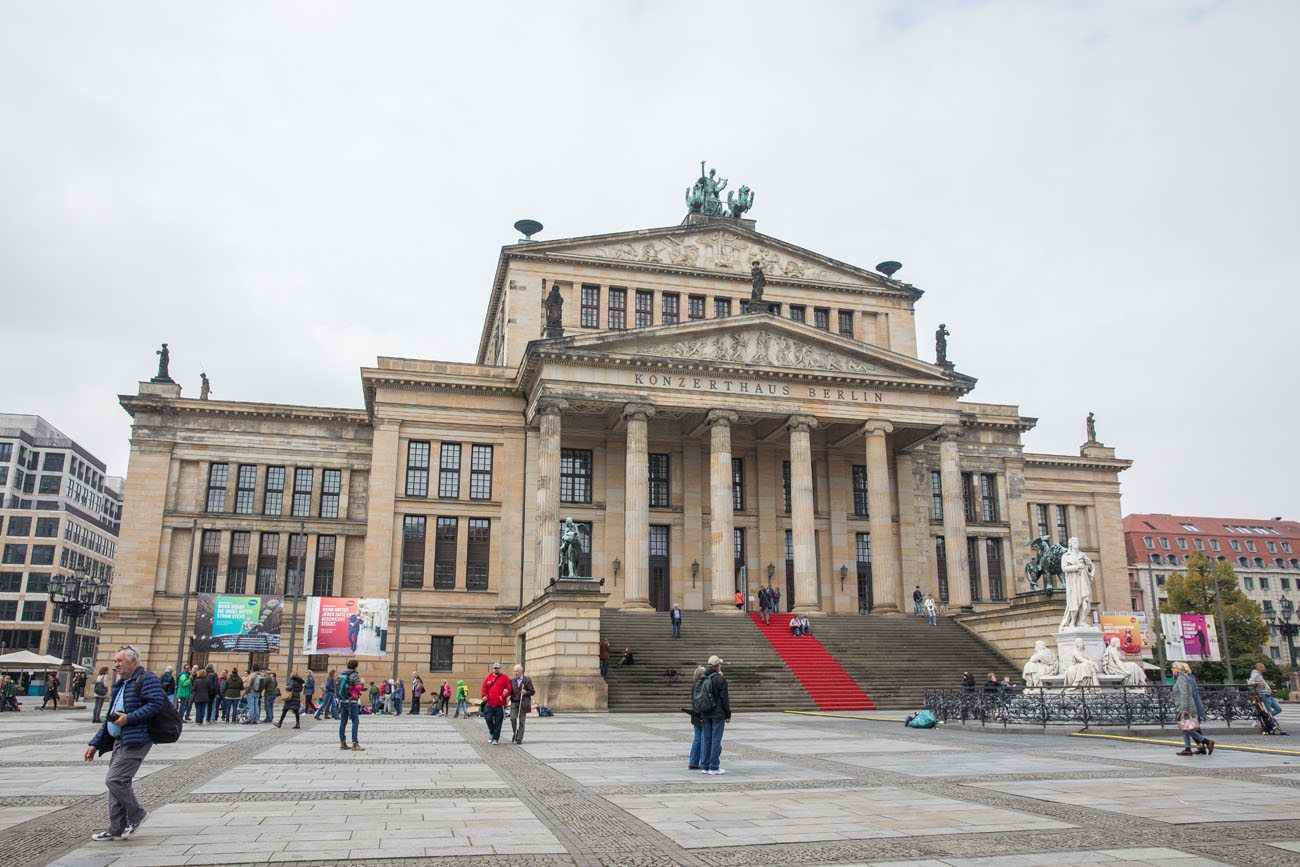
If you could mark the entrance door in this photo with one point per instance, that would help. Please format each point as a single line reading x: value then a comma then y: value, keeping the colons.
x: 738, y: 553
x: 660, y: 589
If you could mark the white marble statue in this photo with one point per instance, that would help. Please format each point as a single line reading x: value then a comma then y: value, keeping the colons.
x: 1082, y: 670
x: 1078, y: 571
x: 1044, y: 663
x: 1113, y: 662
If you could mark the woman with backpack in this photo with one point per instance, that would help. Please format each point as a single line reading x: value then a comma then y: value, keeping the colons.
x: 328, y: 698
x: 696, y: 722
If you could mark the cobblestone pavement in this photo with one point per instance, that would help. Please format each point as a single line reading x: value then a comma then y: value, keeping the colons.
x: 614, y: 790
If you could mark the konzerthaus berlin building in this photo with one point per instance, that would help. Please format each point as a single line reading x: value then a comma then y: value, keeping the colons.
x: 702, y: 447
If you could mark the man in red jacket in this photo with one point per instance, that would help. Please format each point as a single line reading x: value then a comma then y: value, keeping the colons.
x: 495, y: 694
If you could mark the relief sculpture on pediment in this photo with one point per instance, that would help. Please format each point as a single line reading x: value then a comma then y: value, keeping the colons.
x: 761, y: 348
x: 717, y: 250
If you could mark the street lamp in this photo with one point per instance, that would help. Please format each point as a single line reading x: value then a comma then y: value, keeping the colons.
x: 75, y: 594
x: 1284, y: 625
x: 695, y: 570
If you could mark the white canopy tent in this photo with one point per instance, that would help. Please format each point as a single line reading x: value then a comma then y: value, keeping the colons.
x: 27, y: 659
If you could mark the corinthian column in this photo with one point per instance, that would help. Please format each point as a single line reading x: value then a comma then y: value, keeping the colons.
x: 721, y: 519
x: 636, y: 511
x: 801, y: 515
x: 548, y: 490
x: 954, y: 518
x: 886, y: 577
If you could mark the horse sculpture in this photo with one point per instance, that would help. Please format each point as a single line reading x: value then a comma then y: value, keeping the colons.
x: 1046, y: 564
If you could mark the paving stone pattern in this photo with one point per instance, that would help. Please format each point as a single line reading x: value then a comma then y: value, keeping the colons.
x: 614, y: 790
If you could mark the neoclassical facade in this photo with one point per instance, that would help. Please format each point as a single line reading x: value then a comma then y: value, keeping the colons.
x: 704, y: 444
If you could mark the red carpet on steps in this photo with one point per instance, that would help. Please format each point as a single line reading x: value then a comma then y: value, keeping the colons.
x: 827, y: 683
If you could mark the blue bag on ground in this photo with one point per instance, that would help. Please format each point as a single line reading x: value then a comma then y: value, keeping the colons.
x: 922, y: 719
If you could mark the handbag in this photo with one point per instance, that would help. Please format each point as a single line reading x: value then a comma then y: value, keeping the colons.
x: 1189, y: 723
x: 100, y: 688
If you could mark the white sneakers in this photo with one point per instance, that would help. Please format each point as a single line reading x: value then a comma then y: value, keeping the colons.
x: 714, y: 773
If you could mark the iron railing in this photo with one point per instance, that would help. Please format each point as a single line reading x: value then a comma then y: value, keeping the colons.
x: 1152, y: 704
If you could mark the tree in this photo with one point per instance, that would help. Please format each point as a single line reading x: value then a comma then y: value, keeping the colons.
x: 1244, y: 628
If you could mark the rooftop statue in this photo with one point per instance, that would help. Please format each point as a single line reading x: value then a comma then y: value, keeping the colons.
x: 164, y: 359
x: 205, y: 386
x: 705, y: 196
x: 758, y: 280
x: 738, y: 204
x: 1092, y: 427
x: 941, y: 345
x: 554, y: 304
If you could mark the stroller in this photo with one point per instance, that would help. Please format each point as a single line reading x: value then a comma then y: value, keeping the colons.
x: 1268, y: 724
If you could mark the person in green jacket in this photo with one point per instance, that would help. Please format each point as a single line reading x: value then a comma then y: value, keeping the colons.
x: 462, y: 696
x: 184, y: 693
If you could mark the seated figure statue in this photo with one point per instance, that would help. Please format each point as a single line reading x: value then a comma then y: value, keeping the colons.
x: 1082, y: 670
x: 1043, y: 663
x: 1113, y: 662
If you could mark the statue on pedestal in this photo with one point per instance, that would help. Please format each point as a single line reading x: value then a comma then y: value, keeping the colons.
x: 739, y: 204
x: 205, y: 386
x: 554, y: 304
x: 1044, y: 663
x: 1082, y: 670
x: 1046, y: 563
x: 1092, y: 427
x: 941, y: 345
x: 570, y: 549
x: 164, y: 359
x: 1113, y: 662
x: 1078, y: 570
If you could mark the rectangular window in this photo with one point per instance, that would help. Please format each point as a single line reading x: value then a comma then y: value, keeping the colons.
x: 1149, y: 542
x: 941, y: 567
x: 322, y: 582
x: 671, y: 308
x: 20, y: 526
x: 1214, y: 545
x: 268, y: 552
x: 1164, y: 543
x: 237, y: 564
x: 273, y: 497
x: 1062, y: 525
x: 38, y: 582
x: 1263, y: 583
x: 8, y: 609
x: 695, y: 307
x: 936, y: 495
x: 331, y: 485
x: 480, y: 472
x: 973, y: 563
x: 1272, y: 549
x: 785, y: 485
x: 988, y: 498
x: 209, y: 553
x: 1182, y: 543
x: 11, y: 582
x: 245, y: 489
x: 413, y: 529
x: 417, y: 469
x: 296, y: 565
x: 444, y: 555
x: 217, y: 476
x: 478, y: 546
x: 658, y: 540
x: 48, y: 485
x: 1199, y: 544
x: 863, y: 547
x: 798, y: 313
x: 43, y: 555
x: 721, y: 308
x: 590, y: 306
x: 645, y: 308
x: 996, y: 590
x: 967, y: 501
x: 1250, y: 546
x: 6, y: 452
x: 302, y: 482
x: 846, y: 323
x: 658, y: 481
x: 738, y: 484
x: 1236, y: 546
x: 449, y: 471
x: 1248, y: 582
x: 575, y: 475
x: 822, y: 318
x: 617, y: 308
x: 1040, y: 518
x: 34, y: 610
x: 860, y: 490
x: 440, y: 652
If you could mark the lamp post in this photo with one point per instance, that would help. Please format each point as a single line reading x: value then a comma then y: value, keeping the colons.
x: 1284, y: 625
x: 75, y: 594
x: 297, y: 594
x: 1155, y: 614
x: 1223, y: 624
x: 616, y: 564
x: 695, y: 570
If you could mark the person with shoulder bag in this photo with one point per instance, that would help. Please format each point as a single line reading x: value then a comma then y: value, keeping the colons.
x: 296, y: 686
x: 101, y: 693
x: 1190, y: 710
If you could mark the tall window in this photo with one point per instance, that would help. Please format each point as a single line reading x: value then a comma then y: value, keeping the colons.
x: 217, y: 476
x: 822, y: 318
x: 245, y: 489
x: 237, y: 564
x: 296, y: 565
x: 413, y: 527
x: 1062, y: 525
x: 273, y: 497
x: 617, y: 308
x: 738, y: 484
x: 444, y: 555
x: 331, y: 484
x: 302, y: 481
x: 936, y: 495
x: 798, y: 313
x: 34, y: 611
x: 449, y: 471
x: 267, y: 552
x: 996, y: 591
x: 941, y: 567
x: 440, y: 652
x: 1040, y: 518
x: 417, y: 469
x: 695, y: 307
x: 480, y: 472
x: 863, y: 546
x: 477, y: 547
x: 658, y: 480
x: 967, y: 501
x: 645, y: 308
x: 785, y: 485
x: 859, y: 490
x: 721, y: 308
x: 322, y: 582
x: 973, y: 563
x: 209, y: 554
x: 575, y: 475
x: 988, y: 497
x: 672, y: 303
x: 846, y: 323
x: 590, y: 306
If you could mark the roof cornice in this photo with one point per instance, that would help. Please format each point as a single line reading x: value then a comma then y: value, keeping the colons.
x: 1076, y: 462
x: 133, y: 404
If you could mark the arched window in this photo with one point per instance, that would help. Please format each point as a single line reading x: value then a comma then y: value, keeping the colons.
x: 1281, y: 564
x: 1242, y: 561
x: 1295, y: 564
x: 1259, y: 562
x: 1155, y: 558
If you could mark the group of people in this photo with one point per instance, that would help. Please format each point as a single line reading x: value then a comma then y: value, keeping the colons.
x: 923, y: 605
x: 499, y: 693
x: 799, y: 625
x: 710, y: 711
x: 769, y: 601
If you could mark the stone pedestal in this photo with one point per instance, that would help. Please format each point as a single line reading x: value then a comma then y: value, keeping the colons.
x: 1093, y: 643
x: 561, y: 630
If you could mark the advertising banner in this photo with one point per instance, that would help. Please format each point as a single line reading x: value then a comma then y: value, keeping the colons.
x: 238, y: 624
x: 1130, y: 627
x: 1190, y: 637
x: 346, y: 625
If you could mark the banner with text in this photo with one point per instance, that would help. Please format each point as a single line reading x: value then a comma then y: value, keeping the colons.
x: 1130, y: 627
x: 346, y: 625
x: 238, y: 624
x: 1190, y: 637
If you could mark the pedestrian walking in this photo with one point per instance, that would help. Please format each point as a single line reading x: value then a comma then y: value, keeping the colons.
x: 697, y: 723
x: 202, y: 695
x: 776, y: 599
x: 676, y: 617
x: 291, y: 703
x: 270, y: 692
x: 710, y: 700
x: 231, y: 695
x: 931, y: 610
x: 462, y: 697
x: 417, y: 690
x: 764, y: 605
x: 918, y: 599
x: 328, y: 699
x: 1262, y: 689
x: 168, y: 681
x: 495, y: 693
x: 1190, y: 710
x: 51, y: 691
x: 102, y: 683
x: 137, y: 698
x: 740, y: 601
x: 349, y: 696
x: 79, y: 686
x: 309, y: 690
x: 521, y: 702
x: 185, y: 694
x: 604, y: 658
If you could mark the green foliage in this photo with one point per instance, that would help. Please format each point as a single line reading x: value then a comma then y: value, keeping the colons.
x: 1244, y: 628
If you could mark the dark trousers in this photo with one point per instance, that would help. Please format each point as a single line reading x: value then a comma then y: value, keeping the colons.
x: 495, y: 716
x: 123, y: 808
x: 287, y: 706
x: 517, y: 721
x: 415, y: 705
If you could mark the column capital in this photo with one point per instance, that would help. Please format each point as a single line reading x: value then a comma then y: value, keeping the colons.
x: 949, y: 433
x: 803, y: 423
x: 551, y: 406
x: 722, y: 417
x: 637, y: 411
x: 877, y: 427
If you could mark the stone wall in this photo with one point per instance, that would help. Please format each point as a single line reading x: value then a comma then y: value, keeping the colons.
x: 1013, y: 630
x: 561, y: 631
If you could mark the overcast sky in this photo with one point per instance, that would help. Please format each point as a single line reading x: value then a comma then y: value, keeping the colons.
x: 1099, y: 199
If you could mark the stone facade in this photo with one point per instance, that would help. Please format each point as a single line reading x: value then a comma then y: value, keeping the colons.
x: 703, y: 450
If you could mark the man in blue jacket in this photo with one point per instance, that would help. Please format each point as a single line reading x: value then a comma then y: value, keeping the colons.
x: 137, y: 697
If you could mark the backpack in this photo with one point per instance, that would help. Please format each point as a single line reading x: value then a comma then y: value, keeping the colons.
x: 543, y: 710
x: 922, y: 719
x: 164, y: 726
x: 345, y: 684
x: 703, y: 698
x: 257, y: 684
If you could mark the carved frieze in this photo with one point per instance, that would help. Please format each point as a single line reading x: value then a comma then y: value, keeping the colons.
x: 716, y: 250
x: 763, y: 348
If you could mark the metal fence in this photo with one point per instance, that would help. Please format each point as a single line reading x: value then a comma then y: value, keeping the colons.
x: 1086, y: 706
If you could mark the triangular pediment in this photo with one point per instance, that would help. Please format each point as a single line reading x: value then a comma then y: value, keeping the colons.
x: 758, y: 341
x: 723, y: 247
